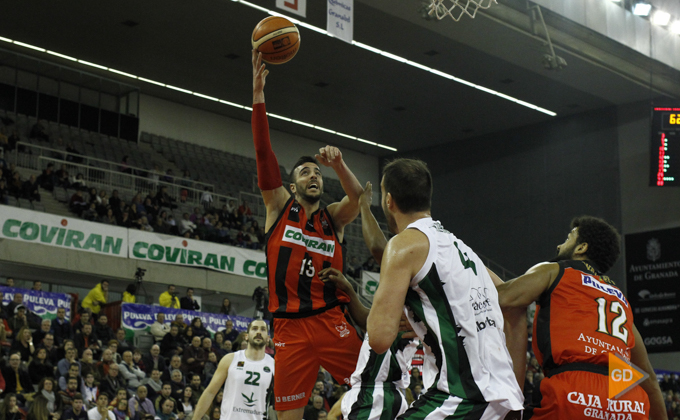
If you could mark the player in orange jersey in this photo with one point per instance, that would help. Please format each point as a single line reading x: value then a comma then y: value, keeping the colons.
x: 302, y: 239
x: 581, y: 316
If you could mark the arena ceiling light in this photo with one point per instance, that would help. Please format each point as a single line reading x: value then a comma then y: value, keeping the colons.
x: 403, y: 60
x: 661, y: 18
x: 675, y: 27
x: 198, y: 94
x: 642, y: 8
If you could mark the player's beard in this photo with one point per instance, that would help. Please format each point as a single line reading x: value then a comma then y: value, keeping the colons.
x: 302, y: 193
x: 564, y: 254
x: 259, y: 345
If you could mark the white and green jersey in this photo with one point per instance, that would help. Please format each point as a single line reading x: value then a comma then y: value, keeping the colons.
x: 378, y: 381
x: 452, y: 305
x: 246, y: 390
x: 392, y: 366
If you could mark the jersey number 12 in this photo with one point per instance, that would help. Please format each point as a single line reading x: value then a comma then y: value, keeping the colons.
x: 618, y: 329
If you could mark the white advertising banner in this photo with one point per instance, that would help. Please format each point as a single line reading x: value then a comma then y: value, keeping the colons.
x: 340, y: 21
x: 167, y: 249
x: 299, y: 7
x: 369, y: 284
x: 63, y: 232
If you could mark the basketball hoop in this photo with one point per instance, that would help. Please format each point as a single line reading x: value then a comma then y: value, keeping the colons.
x: 440, y: 8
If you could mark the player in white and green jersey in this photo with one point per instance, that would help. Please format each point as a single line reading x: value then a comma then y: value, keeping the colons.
x: 247, y: 377
x: 451, y: 303
x: 379, y: 380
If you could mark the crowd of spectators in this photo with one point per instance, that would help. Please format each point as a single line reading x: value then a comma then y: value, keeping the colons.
x: 670, y: 387
x: 84, y: 369
x: 230, y: 225
x: 12, y: 184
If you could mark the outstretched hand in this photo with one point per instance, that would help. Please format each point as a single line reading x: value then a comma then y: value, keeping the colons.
x: 259, y: 75
x: 336, y: 277
x: 366, y: 197
x: 329, y: 156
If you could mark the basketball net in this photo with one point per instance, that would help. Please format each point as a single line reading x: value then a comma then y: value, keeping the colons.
x: 440, y: 8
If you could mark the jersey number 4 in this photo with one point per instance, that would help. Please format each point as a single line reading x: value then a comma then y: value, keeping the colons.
x: 467, y: 263
x: 253, y: 378
x: 617, y: 329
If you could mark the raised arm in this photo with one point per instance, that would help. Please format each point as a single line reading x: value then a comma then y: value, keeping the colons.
x: 373, y: 235
x: 638, y: 356
x: 214, y: 387
x: 268, y: 172
x: 347, y: 209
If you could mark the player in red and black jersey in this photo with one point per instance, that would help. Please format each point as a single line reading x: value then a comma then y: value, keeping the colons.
x: 302, y: 239
x: 581, y: 316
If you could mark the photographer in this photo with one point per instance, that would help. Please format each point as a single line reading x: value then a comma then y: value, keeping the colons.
x: 169, y: 298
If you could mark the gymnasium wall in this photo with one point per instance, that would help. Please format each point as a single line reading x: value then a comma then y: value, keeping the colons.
x: 511, y: 196
x: 644, y: 208
x: 180, y: 122
x: 514, y: 200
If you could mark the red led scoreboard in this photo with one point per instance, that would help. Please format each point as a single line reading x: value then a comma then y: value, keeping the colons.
x: 665, y: 147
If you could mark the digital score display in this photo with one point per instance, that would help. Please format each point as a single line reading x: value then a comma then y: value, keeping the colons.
x: 665, y: 147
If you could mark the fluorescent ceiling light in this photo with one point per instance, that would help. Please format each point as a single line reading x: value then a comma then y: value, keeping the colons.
x: 33, y: 47
x: 66, y: 57
x: 675, y: 27
x: 189, y: 92
x: 642, y: 9
x: 661, y: 18
x: 403, y: 60
x: 87, y: 63
x: 324, y: 32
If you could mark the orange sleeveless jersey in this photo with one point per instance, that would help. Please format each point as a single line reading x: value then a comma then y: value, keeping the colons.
x: 297, y: 249
x: 581, y: 318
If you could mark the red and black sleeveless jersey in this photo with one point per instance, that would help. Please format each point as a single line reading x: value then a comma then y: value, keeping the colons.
x: 581, y: 318
x: 297, y: 248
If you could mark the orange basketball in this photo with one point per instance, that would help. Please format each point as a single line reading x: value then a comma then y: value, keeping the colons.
x: 277, y: 39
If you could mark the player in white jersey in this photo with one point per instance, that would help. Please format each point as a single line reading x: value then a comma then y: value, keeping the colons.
x: 379, y: 379
x: 247, y: 376
x: 451, y: 301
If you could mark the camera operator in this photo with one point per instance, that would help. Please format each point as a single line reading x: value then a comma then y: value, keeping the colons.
x: 169, y: 298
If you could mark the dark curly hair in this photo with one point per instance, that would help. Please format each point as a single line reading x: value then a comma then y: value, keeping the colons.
x: 301, y: 161
x: 604, y: 241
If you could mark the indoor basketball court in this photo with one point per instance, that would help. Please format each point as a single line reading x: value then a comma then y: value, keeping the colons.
x: 527, y: 113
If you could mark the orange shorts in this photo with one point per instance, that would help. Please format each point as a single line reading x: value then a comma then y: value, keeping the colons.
x: 583, y: 395
x: 304, y: 344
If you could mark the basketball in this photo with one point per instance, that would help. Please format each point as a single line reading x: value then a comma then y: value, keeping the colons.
x: 277, y: 39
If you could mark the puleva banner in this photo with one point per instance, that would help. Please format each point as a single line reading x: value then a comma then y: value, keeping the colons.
x: 140, y: 317
x: 63, y: 232
x: 43, y: 304
x: 188, y: 252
